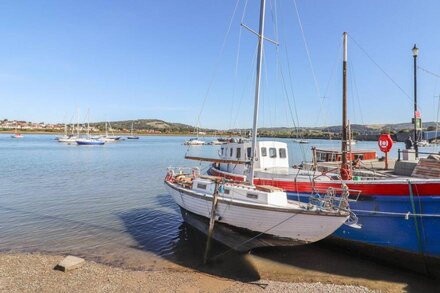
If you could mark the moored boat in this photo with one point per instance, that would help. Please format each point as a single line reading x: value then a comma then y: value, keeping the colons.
x: 17, y: 135
x: 89, y: 141
x: 264, y: 210
x: 261, y: 209
x: 132, y: 136
x: 399, y: 214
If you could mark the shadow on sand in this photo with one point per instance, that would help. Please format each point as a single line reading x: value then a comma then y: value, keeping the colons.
x: 165, y: 234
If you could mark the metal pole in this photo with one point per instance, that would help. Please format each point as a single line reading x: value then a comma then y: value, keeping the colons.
x: 250, y: 177
x: 344, y: 110
x: 416, y: 147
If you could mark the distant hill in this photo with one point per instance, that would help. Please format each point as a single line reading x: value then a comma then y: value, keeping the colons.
x: 147, y: 125
x: 157, y: 125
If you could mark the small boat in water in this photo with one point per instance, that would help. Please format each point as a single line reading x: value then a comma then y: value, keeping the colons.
x: 107, y: 137
x: 260, y: 209
x: 301, y: 141
x: 17, y: 135
x: 89, y: 141
x: 132, y: 136
x: 70, y: 139
x: 194, y: 141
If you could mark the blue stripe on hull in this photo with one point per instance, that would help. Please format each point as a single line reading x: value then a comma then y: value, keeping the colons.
x: 394, y: 231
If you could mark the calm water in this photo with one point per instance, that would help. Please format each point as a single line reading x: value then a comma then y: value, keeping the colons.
x: 102, y: 202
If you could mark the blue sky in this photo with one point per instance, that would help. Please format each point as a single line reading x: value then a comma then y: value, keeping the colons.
x: 156, y: 59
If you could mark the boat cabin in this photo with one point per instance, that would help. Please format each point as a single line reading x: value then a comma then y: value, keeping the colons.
x: 269, y: 154
x: 336, y: 155
x: 267, y: 195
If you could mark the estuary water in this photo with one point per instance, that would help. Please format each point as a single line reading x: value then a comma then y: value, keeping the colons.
x: 108, y: 203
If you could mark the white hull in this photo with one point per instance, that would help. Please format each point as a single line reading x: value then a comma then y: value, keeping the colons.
x: 70, y: 140
x: 294, y: 223
x: 108, y: 139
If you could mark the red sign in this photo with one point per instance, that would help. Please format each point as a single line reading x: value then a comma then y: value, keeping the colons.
x: 417, y: 114
x: 385, y: 143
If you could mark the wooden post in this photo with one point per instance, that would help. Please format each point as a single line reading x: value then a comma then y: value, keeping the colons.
x: 211, y: 223
x: 315, y: 159
x: 386, y: 161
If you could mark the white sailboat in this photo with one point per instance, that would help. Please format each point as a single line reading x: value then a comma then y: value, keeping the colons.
x: 72, y: 137
x: 132, y: 136
x: 107, y: 137
x: 88, y: 140
x: 196, y: 140
x: 263, y: 210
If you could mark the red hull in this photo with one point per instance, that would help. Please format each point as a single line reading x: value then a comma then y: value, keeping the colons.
x: 367, y: 188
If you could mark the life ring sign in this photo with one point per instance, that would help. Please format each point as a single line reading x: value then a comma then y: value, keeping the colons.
x: 385, y: 143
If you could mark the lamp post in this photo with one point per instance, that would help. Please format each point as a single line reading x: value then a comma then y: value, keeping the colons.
x: 415, y: 52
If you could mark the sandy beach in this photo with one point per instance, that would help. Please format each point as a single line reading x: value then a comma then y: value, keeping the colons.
x: 35, y: 273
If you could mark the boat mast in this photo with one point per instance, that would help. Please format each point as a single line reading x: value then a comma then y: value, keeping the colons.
x: 77, y: 128
x: 345, y: 169
x: 250, y: 177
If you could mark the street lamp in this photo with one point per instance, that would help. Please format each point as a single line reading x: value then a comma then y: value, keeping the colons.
x: 415, y: 52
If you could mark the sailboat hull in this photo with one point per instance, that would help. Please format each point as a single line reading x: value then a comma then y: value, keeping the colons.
x: 89, y: 142
x: 304, y: 227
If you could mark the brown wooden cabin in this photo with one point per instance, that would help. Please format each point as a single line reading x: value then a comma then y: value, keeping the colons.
x: 336, y: 155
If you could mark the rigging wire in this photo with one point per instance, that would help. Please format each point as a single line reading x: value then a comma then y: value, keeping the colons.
x: 429, y: 72
x: 289, y: 70
x: 356, y: 90
x: 307, y: 49
x: 323, y: 109
x: 217, y: 65
x: 237, y: 59
x: 380, y: 68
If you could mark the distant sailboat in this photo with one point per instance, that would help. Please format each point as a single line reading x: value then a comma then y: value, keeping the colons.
x: 16, y: 133
x: 107, y: 137
x: 195, y: 140
x: 89, y: 140
x: 131, y: 136
x: 70, y: 138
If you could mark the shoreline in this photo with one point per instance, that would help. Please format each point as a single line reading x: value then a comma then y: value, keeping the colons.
x: 163, y: 134
x: 33, y: 272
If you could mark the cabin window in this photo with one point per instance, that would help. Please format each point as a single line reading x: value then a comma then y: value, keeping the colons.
x: 238, y: 154
x: 231, y: 152
x: 226, y: 191
x: 263, y: 152
x: 252, y: 195
x: 282, y: 153
x: 272, y: 152
x: 222, y: 150
x: 249, y: 153
x: 201, y: 186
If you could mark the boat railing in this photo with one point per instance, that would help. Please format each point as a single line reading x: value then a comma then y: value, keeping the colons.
x: 399, y: 151
x: 188, y: 171
x: 334, y: 198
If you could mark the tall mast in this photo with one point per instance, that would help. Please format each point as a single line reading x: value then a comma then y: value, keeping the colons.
x: 77, y: 125
x: 250, y: 177
x: 345, y: 170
